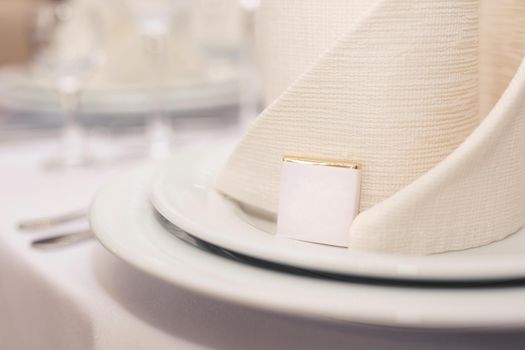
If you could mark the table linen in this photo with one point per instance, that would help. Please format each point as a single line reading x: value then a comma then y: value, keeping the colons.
x: 82, y: 297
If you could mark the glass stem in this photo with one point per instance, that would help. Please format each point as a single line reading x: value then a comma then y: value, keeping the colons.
x: 73, y: 136
x: 159, y: 127
x: 249, y: 91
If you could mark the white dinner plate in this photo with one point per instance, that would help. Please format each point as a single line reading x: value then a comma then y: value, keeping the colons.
x: 124, y: 222
x: 183, y: 192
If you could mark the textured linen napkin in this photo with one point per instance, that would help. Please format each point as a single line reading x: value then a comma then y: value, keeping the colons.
x: 403, y: 87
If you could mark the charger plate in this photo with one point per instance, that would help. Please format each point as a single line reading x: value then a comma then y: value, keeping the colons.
x: 184, y: 194
x: 125, y: 223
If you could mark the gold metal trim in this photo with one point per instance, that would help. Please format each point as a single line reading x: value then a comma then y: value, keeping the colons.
x: 324, y: 162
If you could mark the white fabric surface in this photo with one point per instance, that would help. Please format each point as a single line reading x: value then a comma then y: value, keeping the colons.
x: 291, y: 37
x: 502, y: 46
x: 398, y: 92
x: 81, y: 297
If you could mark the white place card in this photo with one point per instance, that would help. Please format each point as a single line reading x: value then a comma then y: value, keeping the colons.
x: 318, y: 200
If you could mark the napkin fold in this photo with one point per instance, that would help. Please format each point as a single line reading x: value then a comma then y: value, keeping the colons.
x: 396, y: 85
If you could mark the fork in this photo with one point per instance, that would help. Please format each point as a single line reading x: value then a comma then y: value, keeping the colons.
x: 57, y: 240
x: 48, y: 222
x: 62, y: 240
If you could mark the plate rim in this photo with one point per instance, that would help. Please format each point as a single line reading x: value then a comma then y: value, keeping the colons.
x: 378, y: 265
x: 370, y: 314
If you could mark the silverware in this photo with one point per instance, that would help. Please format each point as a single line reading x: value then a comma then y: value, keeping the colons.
x: 44, y: 223
x: 62, y: 240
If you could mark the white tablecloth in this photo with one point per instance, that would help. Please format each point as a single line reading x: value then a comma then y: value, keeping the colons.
x: 81, y: 297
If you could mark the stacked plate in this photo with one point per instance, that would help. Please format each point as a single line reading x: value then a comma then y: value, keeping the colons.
x: 167, y: 220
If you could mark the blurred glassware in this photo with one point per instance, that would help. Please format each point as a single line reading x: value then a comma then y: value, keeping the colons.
x: 153, y: 19
x: 202, y: 60
x: 223, y: 30
x: 249, y: 99
x: 66, y: 44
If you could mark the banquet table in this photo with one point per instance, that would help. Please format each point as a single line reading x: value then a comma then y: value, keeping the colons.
x: 82, y: 297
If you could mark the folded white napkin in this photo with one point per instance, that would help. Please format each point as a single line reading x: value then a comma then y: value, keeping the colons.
x: 126, y: 62
x: 396, y: 85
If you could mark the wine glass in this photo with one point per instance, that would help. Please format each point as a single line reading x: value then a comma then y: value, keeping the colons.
x: 66, y: 42
x: 153, y: 19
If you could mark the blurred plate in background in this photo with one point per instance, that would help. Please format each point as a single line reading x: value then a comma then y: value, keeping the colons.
x: 21, y: 92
